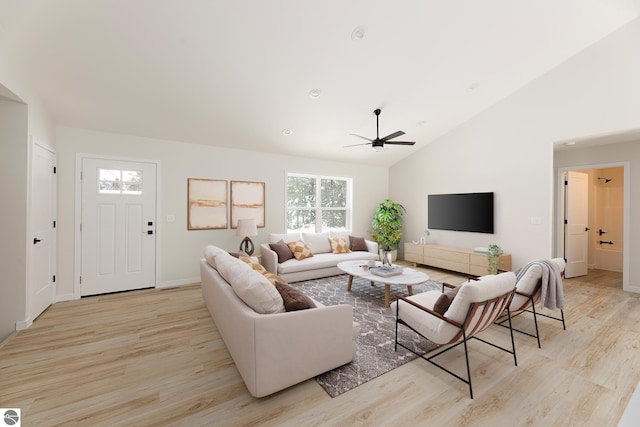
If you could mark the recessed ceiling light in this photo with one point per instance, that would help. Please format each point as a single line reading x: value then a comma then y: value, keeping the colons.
x: 472, y: 87
x: 315, y: 93
x: 358, y: 33
x: 287, y: 132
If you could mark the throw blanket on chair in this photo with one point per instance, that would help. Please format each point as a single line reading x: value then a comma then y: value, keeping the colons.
x: 552, y: 292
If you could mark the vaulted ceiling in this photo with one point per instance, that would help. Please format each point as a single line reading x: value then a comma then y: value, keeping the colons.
x: 237, y: 73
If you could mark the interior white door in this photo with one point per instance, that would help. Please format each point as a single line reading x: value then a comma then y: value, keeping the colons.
x: 43, y: 232
x: 118, y: 225
x: 576, y: 223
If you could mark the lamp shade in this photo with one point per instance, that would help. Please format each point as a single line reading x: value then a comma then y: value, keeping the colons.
x: 247, y: 227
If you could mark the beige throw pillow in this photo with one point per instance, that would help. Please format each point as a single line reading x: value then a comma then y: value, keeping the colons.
x: 339, y: 245
x: 300, y: 250
x: 273, y: 278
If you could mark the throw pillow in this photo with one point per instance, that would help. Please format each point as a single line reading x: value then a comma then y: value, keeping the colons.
x: 300, y: 250
x: 358, y: 244
x: 444, y: 301
x: 238, y: 254
x: 339, y: 246
x: 283, y: 251
x: 273, y: 278
x: 293, y: 298
x: 250, y: 286
x: 318, y: 243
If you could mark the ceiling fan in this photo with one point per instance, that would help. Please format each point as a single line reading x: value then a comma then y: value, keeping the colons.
x: 378, y: 143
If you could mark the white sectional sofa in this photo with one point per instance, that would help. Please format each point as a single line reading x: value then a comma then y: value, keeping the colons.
x: 323, y: 263
x: 272, y: 348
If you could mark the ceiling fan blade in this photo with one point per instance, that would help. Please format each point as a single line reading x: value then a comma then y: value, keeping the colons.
x: 360, y: 136
x: 400, y: 142
x: 356, y: 145
x: 393, y: 135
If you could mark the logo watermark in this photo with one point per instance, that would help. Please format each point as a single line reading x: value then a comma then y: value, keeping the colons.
x: 10, y: 417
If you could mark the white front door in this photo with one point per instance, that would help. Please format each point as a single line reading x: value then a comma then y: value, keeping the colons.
x: 43, y: 232
x: 576, y: 220
x: 118, y: 225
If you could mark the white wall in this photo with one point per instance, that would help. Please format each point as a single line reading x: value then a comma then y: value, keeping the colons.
x: 180, y: 248
x: 13, y: 251
x: 21, y: 115
x: 508, y: 149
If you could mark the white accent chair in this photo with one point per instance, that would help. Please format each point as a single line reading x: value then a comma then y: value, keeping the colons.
x: 476, y: 306
x: 529, y: 293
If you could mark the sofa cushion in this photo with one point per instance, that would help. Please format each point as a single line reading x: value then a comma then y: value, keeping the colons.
x: 318, y: 243
x: 210, y: 253
x: 340, y: 233
x: 273, y: 278
x: 322, y: 261
x: 294, y: 299
x: 250, y: 286
x: 289, y: 237
x: 300, y: 250
x: 357, y: 243
x: 282, y: 250
x: 339, y: 245
x: 444, y: 301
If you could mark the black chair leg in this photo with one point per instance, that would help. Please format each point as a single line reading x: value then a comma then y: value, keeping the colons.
x: 535, y: 321
x: 466, y: 356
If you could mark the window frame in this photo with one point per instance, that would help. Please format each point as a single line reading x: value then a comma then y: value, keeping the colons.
x: 318, y: 209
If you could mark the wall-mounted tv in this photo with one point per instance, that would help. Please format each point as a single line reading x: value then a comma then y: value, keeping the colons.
x: 461, y: 212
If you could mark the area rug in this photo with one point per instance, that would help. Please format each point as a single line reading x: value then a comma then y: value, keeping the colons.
x: 375, y: 354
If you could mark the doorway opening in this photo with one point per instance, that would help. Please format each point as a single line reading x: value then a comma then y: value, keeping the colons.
x: 606, y: 229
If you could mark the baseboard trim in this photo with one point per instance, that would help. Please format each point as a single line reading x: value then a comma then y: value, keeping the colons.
x: 635, y: 289
x: 23, y: 324
x: 66, y: 297
x: 179, y: 282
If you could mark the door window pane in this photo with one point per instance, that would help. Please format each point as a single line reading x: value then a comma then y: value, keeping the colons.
x: 116, y: 181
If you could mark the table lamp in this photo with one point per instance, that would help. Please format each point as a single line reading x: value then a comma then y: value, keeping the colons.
x: 247, y: 228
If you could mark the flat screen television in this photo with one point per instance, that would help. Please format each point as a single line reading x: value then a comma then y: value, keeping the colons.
x: 461, y: 212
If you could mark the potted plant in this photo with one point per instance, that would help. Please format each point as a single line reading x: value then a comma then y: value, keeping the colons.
x: 386, y: 228
x: 493, y: 258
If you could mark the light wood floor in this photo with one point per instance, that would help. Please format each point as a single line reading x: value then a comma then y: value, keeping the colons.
x: 154, y: 358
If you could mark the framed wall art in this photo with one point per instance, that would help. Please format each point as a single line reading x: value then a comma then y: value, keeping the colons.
x: 247, y: 202
x: 207, y: 204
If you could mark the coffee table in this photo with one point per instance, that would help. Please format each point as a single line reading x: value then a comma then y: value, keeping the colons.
x: 409, y: 277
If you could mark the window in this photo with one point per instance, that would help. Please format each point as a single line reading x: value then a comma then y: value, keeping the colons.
x: 318, y: 203
x: 116, y: 181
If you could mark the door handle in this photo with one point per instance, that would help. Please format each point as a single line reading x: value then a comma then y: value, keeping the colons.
x: 36, y: 240
x: 587, y: 229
